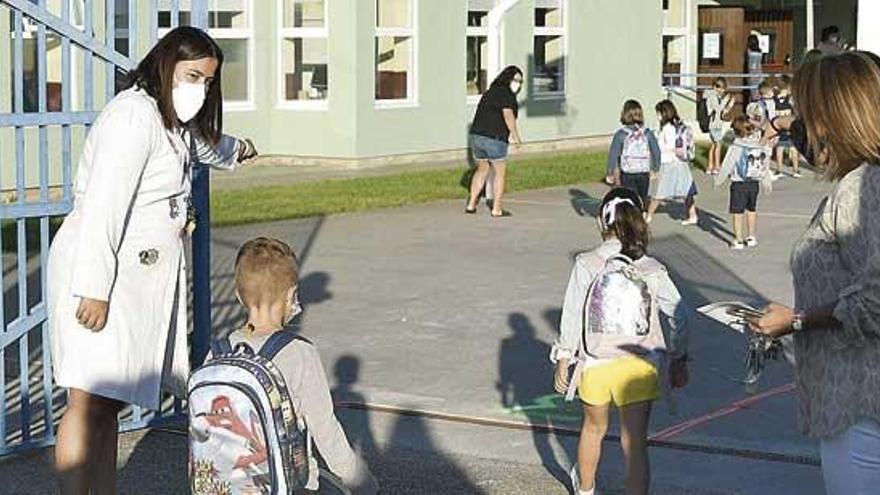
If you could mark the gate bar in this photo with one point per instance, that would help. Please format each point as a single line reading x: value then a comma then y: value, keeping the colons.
x: 48, y: 388
x: 85, y: 38
x: 201, y: 240
x: 21, y: 249
x: 66, y: 107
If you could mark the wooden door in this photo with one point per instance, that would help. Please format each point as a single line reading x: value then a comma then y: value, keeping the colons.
x: 729, y: 24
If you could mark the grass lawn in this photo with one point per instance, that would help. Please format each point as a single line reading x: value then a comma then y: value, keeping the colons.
x: 308, y: 199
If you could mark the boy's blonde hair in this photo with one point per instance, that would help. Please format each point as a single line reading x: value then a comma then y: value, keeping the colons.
x: 765, y: 87
x: 743, y: 127
x: 632, y: 113
x: 265, y: 270
x: 784, y: 83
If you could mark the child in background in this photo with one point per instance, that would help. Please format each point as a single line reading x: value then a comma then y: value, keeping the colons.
x: 762, y: 110
x: 675, y: 179
x: 634, y: 156
x: 784, y: 108
x: 266, y: 279
x: 719, y: 103
x: 746, y: 165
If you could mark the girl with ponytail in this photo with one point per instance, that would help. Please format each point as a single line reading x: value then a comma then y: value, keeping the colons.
x: 625, y: 367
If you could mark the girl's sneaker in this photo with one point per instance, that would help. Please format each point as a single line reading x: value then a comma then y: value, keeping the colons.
x: 689, y: 221
x: 751, y: 241
x: 797, y: 175
x: 737, y: 245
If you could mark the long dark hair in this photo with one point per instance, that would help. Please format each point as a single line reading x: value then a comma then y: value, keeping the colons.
x: 506, y: 76
x: 754, y: 43
x: 668, y: 113
x: 155, y: 75
x: 629, y: 226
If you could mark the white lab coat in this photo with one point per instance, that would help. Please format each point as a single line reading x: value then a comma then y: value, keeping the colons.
x: 124, y: 242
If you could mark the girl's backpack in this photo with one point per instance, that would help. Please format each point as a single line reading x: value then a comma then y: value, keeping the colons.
x: 685, y: 148
x: 618, y: 313
x: 636, y: 155
x: 703, y: 117
x: 245, y: 434
x: 618, y: 310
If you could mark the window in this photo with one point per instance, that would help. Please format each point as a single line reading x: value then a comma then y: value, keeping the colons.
x: 550, y: 49
x: 477, y: 51
x: 395, y: 51
x: 231, y: 25
x: 304, y: 57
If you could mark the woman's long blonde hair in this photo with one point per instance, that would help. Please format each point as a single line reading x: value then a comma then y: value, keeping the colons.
x: 838, y: 98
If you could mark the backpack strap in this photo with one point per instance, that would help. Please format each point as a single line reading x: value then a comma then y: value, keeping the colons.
x: 620, y: 257
x: 221, y: 345
x: 277, y: 342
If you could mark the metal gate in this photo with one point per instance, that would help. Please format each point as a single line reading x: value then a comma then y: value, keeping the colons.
x: 56, y: 56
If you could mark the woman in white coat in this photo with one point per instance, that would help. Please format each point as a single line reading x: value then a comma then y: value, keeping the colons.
x: 117, y: 280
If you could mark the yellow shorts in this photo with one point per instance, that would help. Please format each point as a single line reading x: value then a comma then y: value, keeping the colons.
x: 624, y: 381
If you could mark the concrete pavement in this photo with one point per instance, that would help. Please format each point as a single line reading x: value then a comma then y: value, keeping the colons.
x: 440, y: 315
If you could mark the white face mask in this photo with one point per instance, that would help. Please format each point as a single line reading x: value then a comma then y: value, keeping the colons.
x: 188, y: 99
x: 294, y: 308
x: 515, y: 86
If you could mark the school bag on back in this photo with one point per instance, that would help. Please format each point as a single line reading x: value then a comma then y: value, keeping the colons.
x: 245, y: 435
x: 636, y: 155
x: 618, y: 310
x: 703, y: 117
x: 753, y: 163
x: 685, y: 148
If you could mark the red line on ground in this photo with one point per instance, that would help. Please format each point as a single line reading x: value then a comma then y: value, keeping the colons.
x: 667, y: 433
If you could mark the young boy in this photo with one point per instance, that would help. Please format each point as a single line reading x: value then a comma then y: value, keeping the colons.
x: 266, y: 278
x: 783, y: 107
x: 746, y: 165
x: 763, y: 110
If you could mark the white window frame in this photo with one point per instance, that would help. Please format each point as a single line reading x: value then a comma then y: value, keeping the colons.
x: 286, y: 33
x: 561, y: 31
x: 247, y: 34
x: 411, y: 32
x: 476, y: 32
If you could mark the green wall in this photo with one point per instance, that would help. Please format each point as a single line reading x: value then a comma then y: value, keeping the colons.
x: 605, y: 67
x: 614, y: 53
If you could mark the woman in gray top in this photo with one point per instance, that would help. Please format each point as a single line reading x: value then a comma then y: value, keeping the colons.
x: 836, y: 270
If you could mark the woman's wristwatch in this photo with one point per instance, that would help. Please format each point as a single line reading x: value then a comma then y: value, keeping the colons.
x: 798, y: 322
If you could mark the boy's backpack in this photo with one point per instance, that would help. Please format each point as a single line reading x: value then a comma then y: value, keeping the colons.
x: 245, y: 434
x: 618, y: 310
x: 703, y: 117
x: 636, y: 155
x: 753, y: 163
x: 685, y: 148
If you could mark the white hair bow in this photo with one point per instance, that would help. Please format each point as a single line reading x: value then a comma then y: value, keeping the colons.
x: 609, y: 211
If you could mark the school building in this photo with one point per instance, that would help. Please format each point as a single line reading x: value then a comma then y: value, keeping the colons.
x: 354, y: 80
x: 359, y: 79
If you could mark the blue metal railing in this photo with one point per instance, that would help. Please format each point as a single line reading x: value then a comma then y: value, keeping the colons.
x: 27, y: 379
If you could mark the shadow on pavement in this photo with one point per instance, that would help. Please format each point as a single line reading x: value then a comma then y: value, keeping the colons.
x: 583, y: 204
x: 411, y: 463
x: 525, y: 384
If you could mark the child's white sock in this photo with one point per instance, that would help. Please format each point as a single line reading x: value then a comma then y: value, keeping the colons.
x: 591, y: 491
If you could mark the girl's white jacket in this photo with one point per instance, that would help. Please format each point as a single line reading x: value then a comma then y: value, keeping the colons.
x: 123, y: 243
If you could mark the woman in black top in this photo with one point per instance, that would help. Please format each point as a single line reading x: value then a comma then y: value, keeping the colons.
x: 494, y: 126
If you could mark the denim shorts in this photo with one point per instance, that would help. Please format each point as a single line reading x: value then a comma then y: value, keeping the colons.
x: 486, y: 148
x: 716, y: 134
